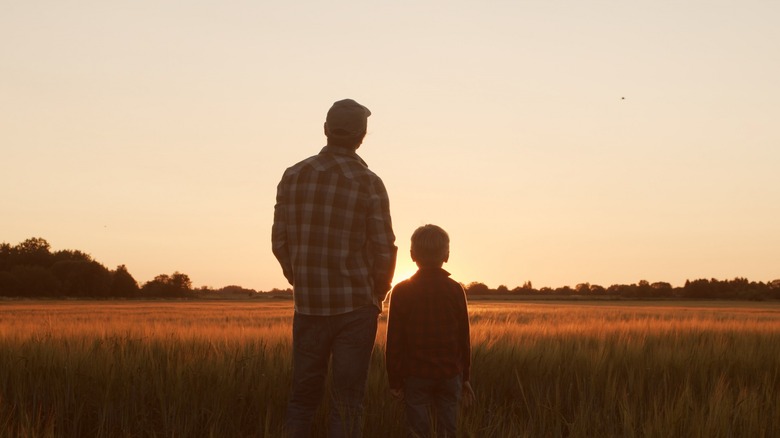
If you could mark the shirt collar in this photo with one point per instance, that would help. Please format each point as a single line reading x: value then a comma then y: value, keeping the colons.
x: 335, y: 150
x: 431, y: 271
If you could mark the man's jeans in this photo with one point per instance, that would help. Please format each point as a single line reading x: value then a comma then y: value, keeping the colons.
x: 347, y: 340
x: 432, y: 404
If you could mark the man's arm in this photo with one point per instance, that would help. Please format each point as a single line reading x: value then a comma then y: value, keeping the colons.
x: 394, y: 345
x: 279, y: 235
x: 381, y: 240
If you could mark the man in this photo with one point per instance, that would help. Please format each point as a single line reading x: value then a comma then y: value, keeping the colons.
x: 333, y: 237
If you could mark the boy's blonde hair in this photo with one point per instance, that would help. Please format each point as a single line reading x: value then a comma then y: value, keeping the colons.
x: 430, y: 245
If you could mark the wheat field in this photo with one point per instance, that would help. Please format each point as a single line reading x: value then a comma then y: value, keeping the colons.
x: 222, y: 369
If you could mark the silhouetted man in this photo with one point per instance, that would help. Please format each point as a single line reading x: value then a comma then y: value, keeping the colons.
x: 333, y: 237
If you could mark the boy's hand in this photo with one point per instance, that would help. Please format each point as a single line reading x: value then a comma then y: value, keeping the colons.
x: 397, y: 393
x: 467, y: 396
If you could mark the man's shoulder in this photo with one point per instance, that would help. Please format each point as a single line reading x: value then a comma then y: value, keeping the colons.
x: 349, y: 165
x: 306, y: 162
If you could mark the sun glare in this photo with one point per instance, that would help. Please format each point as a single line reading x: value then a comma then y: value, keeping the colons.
x: 403, y: 270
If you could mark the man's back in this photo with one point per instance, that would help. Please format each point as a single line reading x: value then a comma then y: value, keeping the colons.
x: 332, y: 233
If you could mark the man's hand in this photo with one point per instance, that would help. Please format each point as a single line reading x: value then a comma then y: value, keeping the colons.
x: 467, y: 396
x: 397, y: 393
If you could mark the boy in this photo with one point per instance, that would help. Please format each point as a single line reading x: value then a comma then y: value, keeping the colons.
x: 428, y: 351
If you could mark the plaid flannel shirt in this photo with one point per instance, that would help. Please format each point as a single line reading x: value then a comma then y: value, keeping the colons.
x: 427, y: 329
x: 332, y: 233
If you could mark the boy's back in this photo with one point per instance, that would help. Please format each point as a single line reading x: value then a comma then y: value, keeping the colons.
x: 428, y: 329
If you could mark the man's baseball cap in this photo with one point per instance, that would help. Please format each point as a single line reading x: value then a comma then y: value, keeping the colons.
x: 347, y: 118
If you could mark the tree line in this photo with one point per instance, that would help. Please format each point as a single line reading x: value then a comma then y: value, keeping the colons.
x: 32, y: 269
x: 736, y: 289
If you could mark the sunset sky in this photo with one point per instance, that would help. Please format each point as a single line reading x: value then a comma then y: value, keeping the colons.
x: 558, y: 142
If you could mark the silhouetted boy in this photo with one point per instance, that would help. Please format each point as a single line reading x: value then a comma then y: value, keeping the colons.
x: 428, y: 349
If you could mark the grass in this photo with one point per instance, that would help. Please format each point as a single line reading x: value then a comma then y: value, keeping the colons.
x: 194, y: 369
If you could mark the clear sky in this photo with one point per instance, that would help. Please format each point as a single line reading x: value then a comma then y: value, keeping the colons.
x: 558, y: 142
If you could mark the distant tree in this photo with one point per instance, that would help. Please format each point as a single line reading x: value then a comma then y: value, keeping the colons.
x: 33, y: 245
x: 662, y: 289
x: 79, y: 277
x: 236, y: 290
x: 582, y: 288
x: 71, y: 255
x: 9, y: 284
x: 157, y: 287
x: 564, y: 290
x: 175, y: 285
x: 181, y: 282
x: 5, y: 256
x: 476, y: 288
x: 525, y: 289
x: 280, y: 292
x: 644, y: 290
x: 697, y: 289
x: 35, y: 281
x: 623, y: 290
x: 596, y: 289
x: 772, y: 289
x: 742, y: 288
x: 34, y: 251
x: 122, y: 283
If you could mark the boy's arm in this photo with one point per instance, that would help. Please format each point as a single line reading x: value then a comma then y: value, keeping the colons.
x: 465, y: 338
x: 468, y: 396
